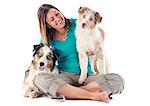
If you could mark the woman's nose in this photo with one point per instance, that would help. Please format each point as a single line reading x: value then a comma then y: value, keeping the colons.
x: 57, y: 19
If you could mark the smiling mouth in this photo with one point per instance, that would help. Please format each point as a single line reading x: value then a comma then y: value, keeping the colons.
x: 60, y: 22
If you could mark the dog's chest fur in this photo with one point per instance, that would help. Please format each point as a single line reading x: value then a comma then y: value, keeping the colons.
x: 88, y: 39
x: 30, y: 77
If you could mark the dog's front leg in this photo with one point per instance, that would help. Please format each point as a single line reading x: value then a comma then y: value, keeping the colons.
x: 83, y: 61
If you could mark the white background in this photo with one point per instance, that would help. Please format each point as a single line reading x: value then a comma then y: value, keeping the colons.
x: 126, y: 24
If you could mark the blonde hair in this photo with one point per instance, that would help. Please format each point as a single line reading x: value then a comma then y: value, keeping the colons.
x: 46, y: 32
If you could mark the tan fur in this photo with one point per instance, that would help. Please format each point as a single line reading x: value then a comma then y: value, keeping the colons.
x: 50, y: 65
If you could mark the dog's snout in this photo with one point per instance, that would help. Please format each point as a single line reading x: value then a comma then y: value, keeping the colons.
x: 41, y: 63
x: 83, y: 25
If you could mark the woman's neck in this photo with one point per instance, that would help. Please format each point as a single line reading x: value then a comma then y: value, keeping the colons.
x: 61, y: 31
x: 61, y: 34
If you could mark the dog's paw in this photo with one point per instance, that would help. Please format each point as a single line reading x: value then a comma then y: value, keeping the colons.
x: 82, y: 79
x: 34, y: 94
x: 27, y: 92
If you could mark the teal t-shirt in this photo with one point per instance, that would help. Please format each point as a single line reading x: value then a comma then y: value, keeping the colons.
x: 68, y: 56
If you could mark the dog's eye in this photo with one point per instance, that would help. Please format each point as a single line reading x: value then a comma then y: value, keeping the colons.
x: 90, y: 19
x: 83, y: 16
x: 39, y: 54
x: 49, y: 57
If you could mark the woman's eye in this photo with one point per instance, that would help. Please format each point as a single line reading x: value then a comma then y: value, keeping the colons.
x: 57, y: 14
x: 51, y: 19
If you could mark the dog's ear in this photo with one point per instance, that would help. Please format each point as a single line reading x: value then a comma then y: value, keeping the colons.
x: 36, y: 47
x: 56, y: 56
x: 82, y: 9
x: 98, y: 18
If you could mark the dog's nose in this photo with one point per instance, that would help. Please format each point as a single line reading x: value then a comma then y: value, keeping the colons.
x: 83, y: 25
x: 41, y: 63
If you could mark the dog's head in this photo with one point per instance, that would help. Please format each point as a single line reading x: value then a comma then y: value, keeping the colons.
x: 88, y: 18
x: 44, y: 59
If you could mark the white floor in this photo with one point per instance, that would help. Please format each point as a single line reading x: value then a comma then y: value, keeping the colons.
x: 124, y: 99
x: 126, y: 23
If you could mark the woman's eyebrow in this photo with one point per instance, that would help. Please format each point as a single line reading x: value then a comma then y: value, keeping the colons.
x: 56, y: 11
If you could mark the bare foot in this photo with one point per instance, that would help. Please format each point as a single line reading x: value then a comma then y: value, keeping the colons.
x: 101, y: 96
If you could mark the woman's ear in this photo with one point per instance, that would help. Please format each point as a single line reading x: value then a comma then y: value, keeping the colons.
x: 48, y: 26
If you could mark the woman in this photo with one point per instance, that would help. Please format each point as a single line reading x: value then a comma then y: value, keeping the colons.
x: 59, y: 32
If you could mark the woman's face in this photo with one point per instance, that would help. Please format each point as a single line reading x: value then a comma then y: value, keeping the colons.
x: 55, y: 19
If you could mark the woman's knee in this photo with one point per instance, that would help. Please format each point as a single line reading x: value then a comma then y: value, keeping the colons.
x: 42, y: 81
x: 112, y: 83
x: 116, y: 82
x: 49, y: 83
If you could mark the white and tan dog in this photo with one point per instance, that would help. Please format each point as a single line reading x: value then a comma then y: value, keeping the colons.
x: 90, y: 39
x: 44, y: 61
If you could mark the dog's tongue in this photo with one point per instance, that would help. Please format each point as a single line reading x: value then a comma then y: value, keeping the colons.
x: 41, y: 68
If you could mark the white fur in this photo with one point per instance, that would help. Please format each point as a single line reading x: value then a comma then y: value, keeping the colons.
x: 90, y: 40
x: 28, y: 88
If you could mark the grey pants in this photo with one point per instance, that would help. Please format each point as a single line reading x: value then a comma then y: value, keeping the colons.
x: 49, y: 83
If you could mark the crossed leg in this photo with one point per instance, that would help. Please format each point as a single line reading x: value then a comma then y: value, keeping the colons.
x: 73, y: 92
x: 92, y: 87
